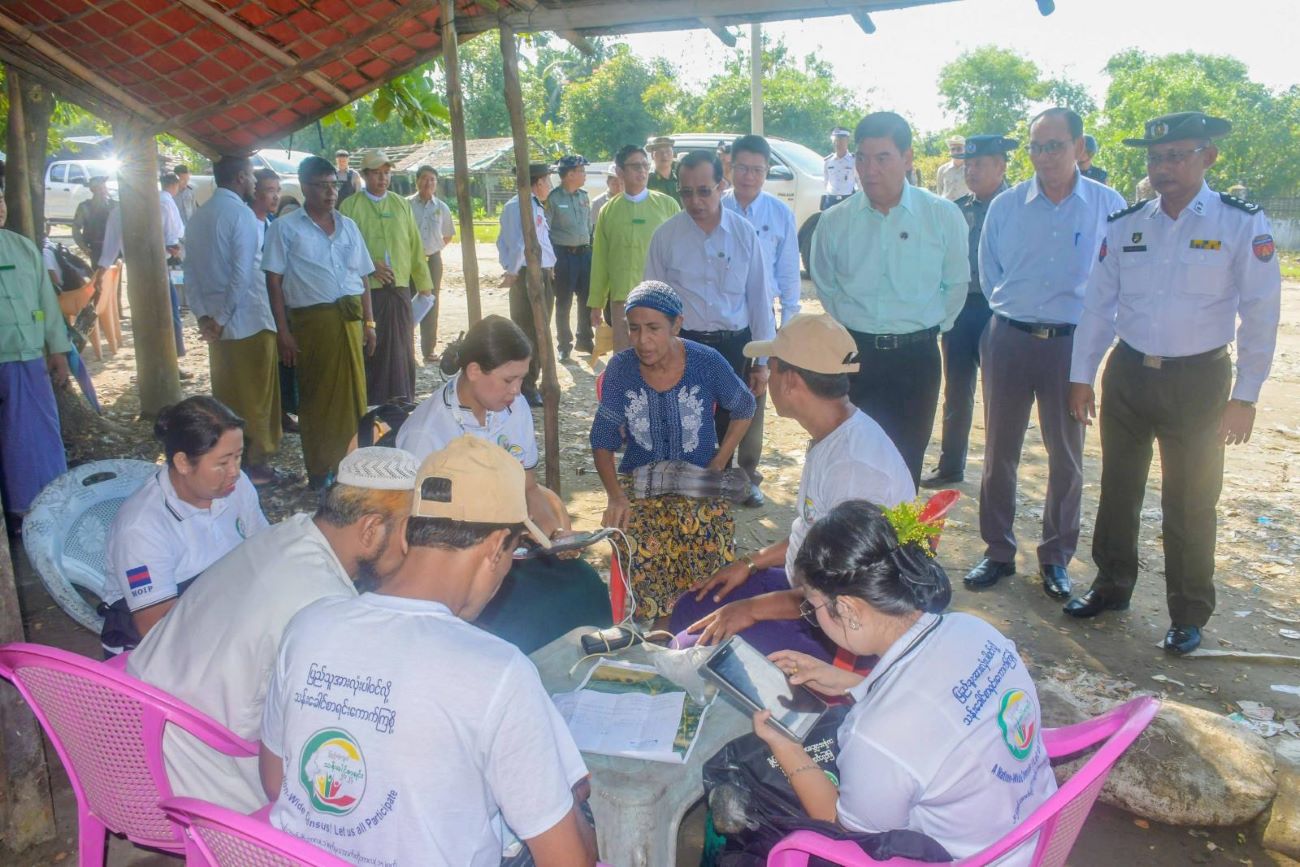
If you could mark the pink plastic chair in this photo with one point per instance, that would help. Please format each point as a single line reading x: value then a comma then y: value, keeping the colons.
x: 217, y: 837
x: 1056, y: 822
x: 107, y: 728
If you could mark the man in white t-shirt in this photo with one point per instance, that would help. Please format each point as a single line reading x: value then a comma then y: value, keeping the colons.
x: 851, y: 458
x: 216, y: 647
x: 426, y: 756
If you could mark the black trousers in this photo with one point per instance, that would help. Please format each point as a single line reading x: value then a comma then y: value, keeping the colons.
x: 1177, y: 406
x: 731, y: 345
x: 899, y: 388
x: 521, y: 312
x: 572, y: 279
x: 429, y: 324
x: 961, y: 362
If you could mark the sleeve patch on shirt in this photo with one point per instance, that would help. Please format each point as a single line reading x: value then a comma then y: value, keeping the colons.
x: 1263, y: 247
x: 138, y: 579
x: 1206, y: 245
x: 1016, y: 718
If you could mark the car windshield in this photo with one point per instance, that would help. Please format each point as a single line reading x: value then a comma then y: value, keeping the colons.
x: 281, y: 164
x: 796, y: 154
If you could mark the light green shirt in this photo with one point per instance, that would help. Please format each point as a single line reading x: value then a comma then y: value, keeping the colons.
x: 892, y: 273
x: 31, y: 323
x: 621, y: 242
x: 392, y: 237
x: 569, y: 217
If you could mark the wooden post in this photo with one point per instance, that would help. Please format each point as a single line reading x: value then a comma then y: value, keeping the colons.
x: 533, y: 258
x: 18, y: 190
x: 24, y: 780
x: 464, y: 203
x: 146, y: 265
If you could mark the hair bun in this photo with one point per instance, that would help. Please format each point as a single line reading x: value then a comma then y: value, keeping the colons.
x: 926, y: 581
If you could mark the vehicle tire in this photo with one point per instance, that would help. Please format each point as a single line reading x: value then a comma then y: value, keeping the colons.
x: 805, y: 241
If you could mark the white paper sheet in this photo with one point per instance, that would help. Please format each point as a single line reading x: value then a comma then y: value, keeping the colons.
x: 623, y: 724
x: 420, y: 306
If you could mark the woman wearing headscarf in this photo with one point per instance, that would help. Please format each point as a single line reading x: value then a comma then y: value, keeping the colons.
x: 657, y: 405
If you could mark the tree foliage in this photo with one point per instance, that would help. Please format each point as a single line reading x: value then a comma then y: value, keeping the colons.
x: 989, y: 89
x: 609, y: 109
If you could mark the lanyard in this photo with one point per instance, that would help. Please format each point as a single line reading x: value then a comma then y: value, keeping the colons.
x: 912, y: 646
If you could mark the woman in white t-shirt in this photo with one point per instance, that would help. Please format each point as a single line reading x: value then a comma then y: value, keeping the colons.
x: 198, y: 507
x: 945, y: 734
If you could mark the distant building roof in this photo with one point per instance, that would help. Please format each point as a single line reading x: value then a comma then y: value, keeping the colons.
x: 482, y: 154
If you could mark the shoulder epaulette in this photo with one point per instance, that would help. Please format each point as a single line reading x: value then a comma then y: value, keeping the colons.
x: 1240, y: 204
x: 1136, y: 206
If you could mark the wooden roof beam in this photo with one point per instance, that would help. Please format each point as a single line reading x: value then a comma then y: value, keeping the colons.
x: 864, y: 21
x: 263, y: 45
x: 719, y: 30
x: 578, y: 41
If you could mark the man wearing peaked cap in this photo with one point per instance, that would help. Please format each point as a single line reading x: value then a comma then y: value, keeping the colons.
x: 1197, y: 270
x: 851, y: 458
x: 985, y: 167
x: 950, y: 180
x: 840, y: 171
x: 569, y: 215
x: 408, y: 733
x: 663, y: 172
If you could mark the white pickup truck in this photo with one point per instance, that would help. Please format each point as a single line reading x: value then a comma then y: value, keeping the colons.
x: 283, y: 163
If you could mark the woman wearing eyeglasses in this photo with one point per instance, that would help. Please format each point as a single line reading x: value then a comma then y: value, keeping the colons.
x: 945, y: 734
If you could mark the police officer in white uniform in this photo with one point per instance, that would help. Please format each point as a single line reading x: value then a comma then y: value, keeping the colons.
x: 841, y: 173
x: 1180, y: 277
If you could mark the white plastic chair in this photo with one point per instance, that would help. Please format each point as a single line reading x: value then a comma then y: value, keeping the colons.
x: 66, y: 532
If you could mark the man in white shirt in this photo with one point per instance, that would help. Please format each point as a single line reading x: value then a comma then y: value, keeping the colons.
x: 427, y: 756
x: 215, y: 649
x: 773, y: 221
x: 950, y: 180
x: 184, y: 195
x: 437, y: 228
x: 715, y: 261
x: 840, y: 170
x: 227, y: 292
x: 851, y: 458
x: 510, y: 247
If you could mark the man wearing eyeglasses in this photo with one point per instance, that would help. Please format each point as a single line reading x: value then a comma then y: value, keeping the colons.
x: 772, y: 219
x: 1179, y: 278
x: 621, y: 239
x: 891, y: 266
x: 1034, y: 258
x: 714, y: 259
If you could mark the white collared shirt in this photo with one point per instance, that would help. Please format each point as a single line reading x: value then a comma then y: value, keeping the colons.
x: 433, y: 219
x: 841, y: 175
x: 222, y: 277
x: 1178, y: 287
x: 317, y: 268
x: 510, y: 243
x: 173, y: 229
x: 773, y: 220
x: 158, y: 541
x: 721, y: 277
x: 441, y: 418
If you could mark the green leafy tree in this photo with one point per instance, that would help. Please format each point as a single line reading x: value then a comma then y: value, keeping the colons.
x: 989, y: 89
x: 608, y: 109
x: 1262, y: 152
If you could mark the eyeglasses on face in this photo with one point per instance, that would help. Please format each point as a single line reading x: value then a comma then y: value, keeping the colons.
x: 808, y: 611
x: 696, y: 192
x: 742, y: 169
x: 324, y: 185
x: 1174, y: 158
x: 636, y: 167
x: 1055, y: 146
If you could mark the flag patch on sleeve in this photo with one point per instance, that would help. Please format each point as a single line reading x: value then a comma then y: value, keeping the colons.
x: 138, y: 578
x: 1263, y: 247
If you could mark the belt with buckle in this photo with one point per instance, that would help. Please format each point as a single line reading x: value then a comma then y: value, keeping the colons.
x: 1157, y: 362
x: 715, y: 338
x: 574, y: 251
x: 1039, y: 329
x: 894, y: 341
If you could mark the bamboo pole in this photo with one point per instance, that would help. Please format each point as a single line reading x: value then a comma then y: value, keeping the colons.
x: 533, y: 259
x: 464, y: 204
x: 19, y: 187
x: 146, y: 266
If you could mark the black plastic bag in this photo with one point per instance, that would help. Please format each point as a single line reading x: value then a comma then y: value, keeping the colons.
x: 754, y: 806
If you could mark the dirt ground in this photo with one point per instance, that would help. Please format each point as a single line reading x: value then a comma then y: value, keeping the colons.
x: 1257, y: 551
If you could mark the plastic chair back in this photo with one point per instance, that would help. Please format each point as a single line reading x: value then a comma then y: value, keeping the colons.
x: 218, y: 837
x: 66, y: 532
x: 1057, y: 821
x: 107, y: 729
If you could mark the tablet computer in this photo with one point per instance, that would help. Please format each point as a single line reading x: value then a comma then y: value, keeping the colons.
x: 755, y: 682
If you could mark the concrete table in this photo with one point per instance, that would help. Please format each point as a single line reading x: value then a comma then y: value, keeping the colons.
x: 639, y: 804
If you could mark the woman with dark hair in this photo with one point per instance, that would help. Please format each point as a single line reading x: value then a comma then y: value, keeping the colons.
x: 189, y: 515
x: 541, y: 598
x: 945, y: 733
x: 657, y: 405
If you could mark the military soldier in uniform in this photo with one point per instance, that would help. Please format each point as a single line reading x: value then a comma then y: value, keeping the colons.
x: 1087, y: 167
x: 841, y: 172
x: 986, y: 176
x: 663, y: 172
x: 1179, y: 278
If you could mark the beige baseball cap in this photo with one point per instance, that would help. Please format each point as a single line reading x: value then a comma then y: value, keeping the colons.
x: 474, y: 481
x: 375, y: 159
x: 812, y: 341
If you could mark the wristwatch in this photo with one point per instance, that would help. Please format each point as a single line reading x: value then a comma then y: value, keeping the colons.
x: 370, y: 323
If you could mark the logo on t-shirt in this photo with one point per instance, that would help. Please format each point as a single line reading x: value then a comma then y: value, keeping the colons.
x: 809, y: 511
x: 333, y: 772
x: 138, y: 579
x: 516, y: 450
x: 1016, y: 719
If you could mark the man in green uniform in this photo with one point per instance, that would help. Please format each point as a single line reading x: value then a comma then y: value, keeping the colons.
x: 664, y: 177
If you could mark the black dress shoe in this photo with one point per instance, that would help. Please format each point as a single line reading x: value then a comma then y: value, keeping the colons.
x: 564, y: 354
x: 1056, y: 581
x: 1093, y: 603
x: 1182, y: 639
x: 939, y: 479
x: 755, y: 500
x: 988, y: 573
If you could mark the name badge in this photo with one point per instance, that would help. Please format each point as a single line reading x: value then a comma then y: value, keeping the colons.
x: 8, y: 267
x: 636, y: 221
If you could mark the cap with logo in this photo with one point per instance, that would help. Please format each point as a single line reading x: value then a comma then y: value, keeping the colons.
x: 812, y: 341
x: 376, y: 159
x: 989, y: 145
x: 474, y: 481
x: 1181, y: 126
x: 379, y: 469
x: 612, y: 171
x: 572, y: 161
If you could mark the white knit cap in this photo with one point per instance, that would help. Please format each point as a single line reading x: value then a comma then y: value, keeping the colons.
x: 379, y: 469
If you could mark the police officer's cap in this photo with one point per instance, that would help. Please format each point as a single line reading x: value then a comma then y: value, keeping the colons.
x: 839, y: 132
x: 657, y: 142
x: 1181, y: 126
x: 571, y: 161
x: 989, y: 145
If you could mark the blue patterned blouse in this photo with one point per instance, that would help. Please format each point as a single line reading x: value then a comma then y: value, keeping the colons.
x: 676, y: 424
